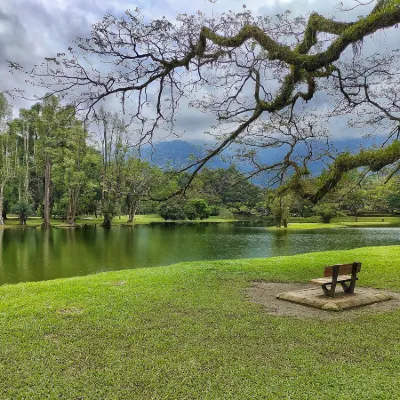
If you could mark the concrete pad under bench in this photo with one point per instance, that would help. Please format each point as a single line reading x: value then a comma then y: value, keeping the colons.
x: 342, y: 301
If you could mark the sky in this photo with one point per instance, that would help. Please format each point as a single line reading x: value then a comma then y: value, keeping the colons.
x: 33, y: 29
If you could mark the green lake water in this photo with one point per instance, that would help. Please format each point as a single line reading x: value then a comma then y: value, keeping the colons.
x: 35, y: 255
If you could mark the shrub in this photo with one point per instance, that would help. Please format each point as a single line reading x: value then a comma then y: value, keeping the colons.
x: 190, y: 211
x: 24, y: 210
x: 225, y: 213
x: 201, y: 208
x: 215, y: 210
x: 326, y: 211
x: 172, y: 210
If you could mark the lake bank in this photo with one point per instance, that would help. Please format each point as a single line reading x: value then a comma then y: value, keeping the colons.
x: 294, y: 222
x: 13, y: 222
x: 341, y: 222
x: 36, y: 254
x: 187, y: 331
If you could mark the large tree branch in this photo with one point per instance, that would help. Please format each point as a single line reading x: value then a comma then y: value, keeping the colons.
x: 374, y: 160
x: 150, y: 60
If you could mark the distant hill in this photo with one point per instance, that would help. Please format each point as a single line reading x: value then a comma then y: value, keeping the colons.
x: 179, y: 153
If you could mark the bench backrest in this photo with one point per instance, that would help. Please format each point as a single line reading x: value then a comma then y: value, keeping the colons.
x: 344, y: 269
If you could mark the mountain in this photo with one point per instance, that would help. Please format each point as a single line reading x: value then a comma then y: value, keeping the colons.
x: 179, y: 153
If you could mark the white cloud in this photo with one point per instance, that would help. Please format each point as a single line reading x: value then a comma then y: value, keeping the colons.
x: 33, y: 29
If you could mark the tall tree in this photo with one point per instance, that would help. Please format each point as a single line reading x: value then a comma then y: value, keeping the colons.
x: 234, y: 58
x: 24, y: 129
x: 70, y: 172
x: 114, y: 144
x: 7, y: 151
x: 53, y: 123
x: 141, y: 180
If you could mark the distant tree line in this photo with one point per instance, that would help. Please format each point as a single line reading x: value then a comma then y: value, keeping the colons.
x: 358, y: 194
x: 51, y: 166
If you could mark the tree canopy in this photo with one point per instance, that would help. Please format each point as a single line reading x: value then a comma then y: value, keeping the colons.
x: 258, y: 74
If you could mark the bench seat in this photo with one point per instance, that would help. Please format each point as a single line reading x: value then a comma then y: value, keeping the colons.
x: 338, y: 274
x: 321, y: 281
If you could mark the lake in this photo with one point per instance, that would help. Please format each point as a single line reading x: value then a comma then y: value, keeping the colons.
x: 35, y: 255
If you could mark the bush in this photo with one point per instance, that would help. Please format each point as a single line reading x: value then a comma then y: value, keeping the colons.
x: 214, y: 211
x: 190, y: 211
x: 24, y: 210
x: 172, y: 210
x: 326, y: 211
x: 175, y: 209
x: 226, y: 214
x: 201, y: 208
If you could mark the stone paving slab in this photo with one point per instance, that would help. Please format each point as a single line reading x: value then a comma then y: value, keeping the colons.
x: 342, y: 301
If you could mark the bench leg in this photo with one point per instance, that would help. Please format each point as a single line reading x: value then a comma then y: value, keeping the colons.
x: 345, y: 287
x: 354, y: 278
x: 329, y: 292
x: 349, y: 288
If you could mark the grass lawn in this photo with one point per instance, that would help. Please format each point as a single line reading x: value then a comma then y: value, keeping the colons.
x: 308, y: 225
x: 341, y: 222
x: 139, y: 220
x: 294, y: 222
x: 187, y: 332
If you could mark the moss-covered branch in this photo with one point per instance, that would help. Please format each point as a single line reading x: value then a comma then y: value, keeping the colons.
x: 305, y: 67
x: 374, y: 160
x: 348, y: 33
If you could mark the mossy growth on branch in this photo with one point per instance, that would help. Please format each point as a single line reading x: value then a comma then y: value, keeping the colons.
x: 373, y: 159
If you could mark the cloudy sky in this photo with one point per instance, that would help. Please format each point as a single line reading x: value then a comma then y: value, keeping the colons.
x: 33, y: 29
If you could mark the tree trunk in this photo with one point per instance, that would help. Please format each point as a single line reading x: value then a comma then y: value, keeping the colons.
x: 72, y: 205
x: 46, y: 201
x: 326, y: 219
x: 1, y: 203
x: 107, y: 221
x: 285, y: 223
x: 107, y: 209
x: 4, y: 214
x: 132, y: 210
x: 278, y: 221
x: 22, y: 220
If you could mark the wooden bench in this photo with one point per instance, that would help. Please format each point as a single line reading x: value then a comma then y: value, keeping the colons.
x: 339, y: 273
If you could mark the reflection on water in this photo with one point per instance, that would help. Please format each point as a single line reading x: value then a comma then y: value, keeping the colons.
x: 32, y: 254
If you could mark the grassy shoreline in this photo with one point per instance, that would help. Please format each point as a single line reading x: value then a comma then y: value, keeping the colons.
x: 13, y: 223
x: 295, y: 223
x: 186, y: 331
x: 341, y: 222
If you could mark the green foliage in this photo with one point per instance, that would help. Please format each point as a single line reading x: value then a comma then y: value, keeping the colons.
x: 229, y: 186
x: 85, y: 180
x: 5, y: 111
x: 225, y: 213
x: 215, y: 210
x: 200, y: 207
x: 178, y: 209
x: 190, y: 211
x: 172, y: 210
x: 23, y: 209
x: 327, y: 211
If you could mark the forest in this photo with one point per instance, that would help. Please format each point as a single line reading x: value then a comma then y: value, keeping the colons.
x: 53, y: 166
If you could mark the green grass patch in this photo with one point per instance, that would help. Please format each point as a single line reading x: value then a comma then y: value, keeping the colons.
x: 308, y: 225
x: 139, y: 220
x: 187, y: 332
x: 341, y: 222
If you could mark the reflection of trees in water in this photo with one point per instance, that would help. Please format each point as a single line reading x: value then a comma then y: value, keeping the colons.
x: 33, y: 254
x: 280, y: 240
